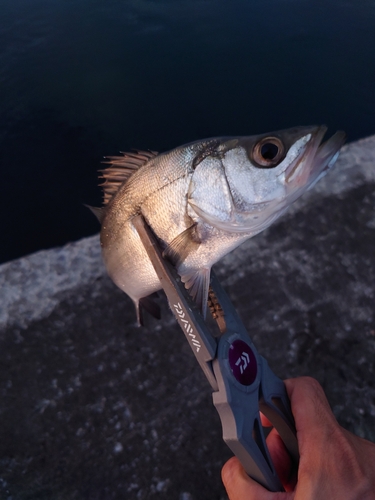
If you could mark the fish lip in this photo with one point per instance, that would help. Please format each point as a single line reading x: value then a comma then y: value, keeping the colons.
x: 317, y: 158
x: 328, y: 151
x: 305, y: 159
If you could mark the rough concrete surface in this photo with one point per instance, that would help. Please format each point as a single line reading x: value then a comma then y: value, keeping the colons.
x: 94, y: 408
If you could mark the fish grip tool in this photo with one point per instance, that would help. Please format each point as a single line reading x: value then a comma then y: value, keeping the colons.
x: 242, y: 382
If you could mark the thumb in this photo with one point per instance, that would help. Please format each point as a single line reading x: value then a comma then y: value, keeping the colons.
x: 240, y: 486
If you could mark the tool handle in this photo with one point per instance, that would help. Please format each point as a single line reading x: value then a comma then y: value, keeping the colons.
x: 246, y: 386
x: 238, y: 370
x: 242, y: 381
x: 275, y: 405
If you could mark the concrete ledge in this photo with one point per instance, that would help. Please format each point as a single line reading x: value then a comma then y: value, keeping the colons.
x: 31, y: 287
x: 92, y: 407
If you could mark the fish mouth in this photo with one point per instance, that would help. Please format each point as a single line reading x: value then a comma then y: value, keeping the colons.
x: 316, y: 160
x: 313, y: 160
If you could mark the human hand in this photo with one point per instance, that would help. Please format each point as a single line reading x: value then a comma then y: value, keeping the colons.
x: 334, y: 464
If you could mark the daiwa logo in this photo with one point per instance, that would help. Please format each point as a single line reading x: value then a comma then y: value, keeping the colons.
x: 189, y: 329
x: 243, y: 362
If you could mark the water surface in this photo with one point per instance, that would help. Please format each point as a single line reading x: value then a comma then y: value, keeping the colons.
x: 81, y: 79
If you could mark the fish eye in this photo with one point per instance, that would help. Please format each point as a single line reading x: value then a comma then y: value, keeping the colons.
x: 268, y: 152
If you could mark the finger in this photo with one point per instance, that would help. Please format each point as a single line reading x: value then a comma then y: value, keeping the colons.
x: 308, y: 400
x: 315, y: 422
x: 239, y: 485
x: 264, y: 420
x: 282, y: 461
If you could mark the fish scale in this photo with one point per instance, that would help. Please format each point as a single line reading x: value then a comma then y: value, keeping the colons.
x: 202, y: 200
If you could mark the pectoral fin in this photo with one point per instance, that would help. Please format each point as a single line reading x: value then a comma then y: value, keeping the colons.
x: 181, y: 246
x: 197, y: 283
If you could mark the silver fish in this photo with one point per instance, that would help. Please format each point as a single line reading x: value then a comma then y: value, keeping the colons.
x: 202, y: 200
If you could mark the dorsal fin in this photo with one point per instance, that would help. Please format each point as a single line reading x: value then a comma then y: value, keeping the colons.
x: 120, y: 169
x: 98, y: 212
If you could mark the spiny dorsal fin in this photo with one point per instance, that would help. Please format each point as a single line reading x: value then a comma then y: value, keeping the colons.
x: 120, y: 169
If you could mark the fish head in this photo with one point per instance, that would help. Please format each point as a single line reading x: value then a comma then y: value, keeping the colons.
x: 246, y: 183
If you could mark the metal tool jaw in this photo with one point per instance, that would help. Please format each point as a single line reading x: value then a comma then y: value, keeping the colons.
x: 241, y: 379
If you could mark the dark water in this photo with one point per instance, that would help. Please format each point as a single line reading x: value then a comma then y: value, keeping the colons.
x: 80, y: 79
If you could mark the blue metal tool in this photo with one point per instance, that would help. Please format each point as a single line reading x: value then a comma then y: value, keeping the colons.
x: 241, y: 379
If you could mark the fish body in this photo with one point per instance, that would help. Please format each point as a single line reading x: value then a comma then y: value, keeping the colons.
x: 202, y: 200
